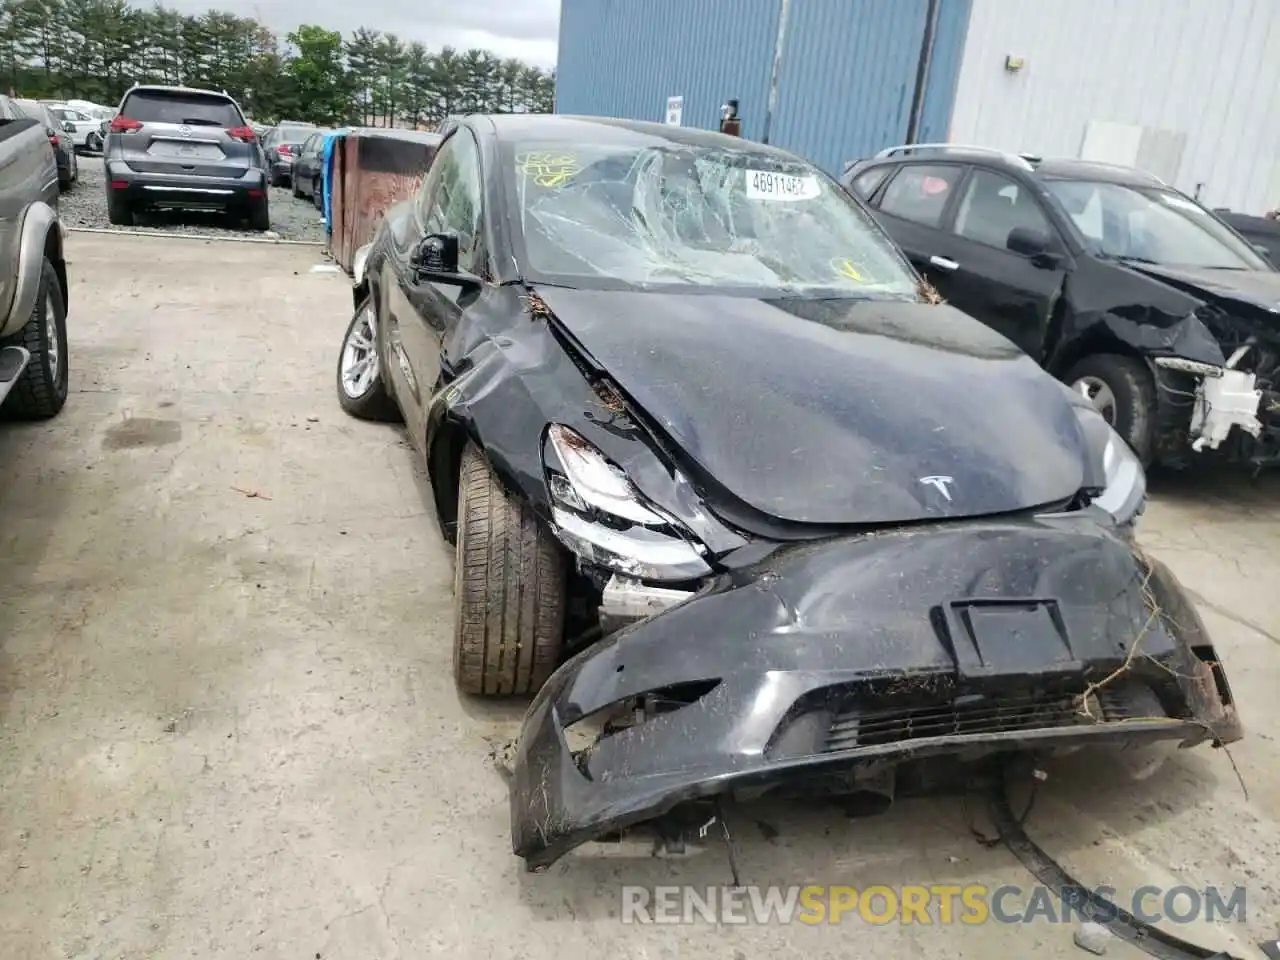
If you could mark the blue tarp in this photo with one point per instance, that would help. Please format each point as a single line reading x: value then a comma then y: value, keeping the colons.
x: 326, y: 174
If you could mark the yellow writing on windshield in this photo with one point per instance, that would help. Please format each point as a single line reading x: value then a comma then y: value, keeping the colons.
x: 846, y: 268
x: 549, y: 170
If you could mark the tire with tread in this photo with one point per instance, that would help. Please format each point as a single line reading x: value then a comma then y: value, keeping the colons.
x: 293, y: 185
x: 376, y: 404
x: 1135, y: 392
x: 260, y: 216
x: 38, y: 394
x: 119, y: 212
x: 510, y: 584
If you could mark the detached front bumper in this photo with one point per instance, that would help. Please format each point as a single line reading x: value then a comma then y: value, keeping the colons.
x: 842, y: 658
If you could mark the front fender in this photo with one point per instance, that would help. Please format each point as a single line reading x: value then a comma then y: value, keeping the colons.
x: 39, y: 222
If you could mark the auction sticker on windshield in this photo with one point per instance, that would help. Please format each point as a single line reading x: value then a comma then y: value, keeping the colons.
x: 770, y: 185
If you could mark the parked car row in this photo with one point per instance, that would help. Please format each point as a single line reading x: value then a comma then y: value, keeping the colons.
x: 744, y: 504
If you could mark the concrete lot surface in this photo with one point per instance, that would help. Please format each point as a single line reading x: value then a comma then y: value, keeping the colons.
x: 228, y: 727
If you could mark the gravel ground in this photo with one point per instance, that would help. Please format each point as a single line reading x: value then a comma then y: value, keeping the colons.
x: 85, y: 205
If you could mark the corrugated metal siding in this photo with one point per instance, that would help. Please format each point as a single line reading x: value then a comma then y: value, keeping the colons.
x: 847, y: 78
x: 624, y: 58
x: 1209, y: 69
x: 849, y: 72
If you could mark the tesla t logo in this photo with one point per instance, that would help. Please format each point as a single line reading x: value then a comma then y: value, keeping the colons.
x: 941, y: 484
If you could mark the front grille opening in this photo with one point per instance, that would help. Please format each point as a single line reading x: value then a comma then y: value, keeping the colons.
x: 854, y: 722
x: 859, y: 727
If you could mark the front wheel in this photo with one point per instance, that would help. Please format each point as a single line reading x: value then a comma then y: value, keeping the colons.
x: 510, y: 585
x: 1122, y: 390
x: 42, y: 388
x: 362, y: 392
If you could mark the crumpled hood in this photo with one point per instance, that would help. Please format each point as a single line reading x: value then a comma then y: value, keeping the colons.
x: 837, y: 412
x: 1226, y: 288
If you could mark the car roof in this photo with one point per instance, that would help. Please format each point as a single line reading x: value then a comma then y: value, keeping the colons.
x: 1049, y: 168
x: 1069, y: 169
x: 164, y: 88
x: 563, y: 128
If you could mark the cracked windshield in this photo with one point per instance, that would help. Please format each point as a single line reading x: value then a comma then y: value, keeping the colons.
x: 719, y: 218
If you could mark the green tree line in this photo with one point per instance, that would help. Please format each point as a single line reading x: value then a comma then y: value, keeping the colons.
x: 96, y: 49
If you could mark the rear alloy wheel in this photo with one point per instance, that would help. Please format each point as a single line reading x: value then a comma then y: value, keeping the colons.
x: 1122, y: 390
x: 297, y: 194
x: 119, y: 211
x: 362, y: 391
x: 93, y: 143
x: 510, y: 584
x: 42, y: 388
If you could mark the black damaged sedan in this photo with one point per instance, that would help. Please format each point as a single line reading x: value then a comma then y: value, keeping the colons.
x: 732, y: 493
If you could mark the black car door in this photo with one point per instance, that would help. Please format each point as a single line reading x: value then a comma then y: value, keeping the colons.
x: 1007, y: 261
x: 419, y: 314
x: 913, y: 207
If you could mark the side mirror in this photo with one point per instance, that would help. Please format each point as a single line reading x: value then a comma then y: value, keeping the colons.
x: 1032, y: 244
x: 435, y: 260
x: 1264, y: 252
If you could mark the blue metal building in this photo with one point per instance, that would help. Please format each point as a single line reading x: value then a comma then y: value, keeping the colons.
x: 846, y: 69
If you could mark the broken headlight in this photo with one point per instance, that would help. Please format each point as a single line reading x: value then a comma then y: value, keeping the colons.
x: 599, y: 514
x: 1113, y: 470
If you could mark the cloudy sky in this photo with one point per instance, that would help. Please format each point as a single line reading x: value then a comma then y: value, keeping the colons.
x: 509, y: 28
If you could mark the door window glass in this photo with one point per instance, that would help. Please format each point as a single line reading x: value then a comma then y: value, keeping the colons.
x: 919, y: 193
x: 450, y: 198
x: 993, y: 206
x: 864, y: 184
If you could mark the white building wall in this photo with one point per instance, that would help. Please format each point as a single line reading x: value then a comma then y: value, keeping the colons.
x: 1202, y: 76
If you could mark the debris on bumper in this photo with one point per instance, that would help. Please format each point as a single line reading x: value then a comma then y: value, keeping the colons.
x: 826, y: 667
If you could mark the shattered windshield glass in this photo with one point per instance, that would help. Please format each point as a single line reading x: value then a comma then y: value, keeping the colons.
x: 1152, y: 226
x: 677, y: 216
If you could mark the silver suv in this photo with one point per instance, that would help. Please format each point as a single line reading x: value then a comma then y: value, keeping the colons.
x: 185, y: 148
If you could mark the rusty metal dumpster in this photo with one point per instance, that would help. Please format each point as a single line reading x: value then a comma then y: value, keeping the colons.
x: 373, y: 168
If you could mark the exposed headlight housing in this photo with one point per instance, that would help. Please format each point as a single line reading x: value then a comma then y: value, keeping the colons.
x: 1114, y: 470
x: 598, y: 513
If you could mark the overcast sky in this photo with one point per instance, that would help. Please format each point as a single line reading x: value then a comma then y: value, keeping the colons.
x: 509, y: 28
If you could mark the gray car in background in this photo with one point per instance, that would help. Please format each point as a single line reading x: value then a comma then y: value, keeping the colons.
x: 281, y: 144
x: 306, y: 165
x: 185, y: 148
x: 60, y: 139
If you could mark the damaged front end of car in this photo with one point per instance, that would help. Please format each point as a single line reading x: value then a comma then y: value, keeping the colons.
x: 1225, y: 406
x: 835, y: 667
x: 1217, y: 378
x: 848, y: 666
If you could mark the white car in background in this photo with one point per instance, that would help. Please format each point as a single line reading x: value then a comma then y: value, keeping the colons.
x: 83, y: 121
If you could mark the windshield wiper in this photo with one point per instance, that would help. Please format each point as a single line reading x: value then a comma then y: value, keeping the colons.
x: 200, y: 122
